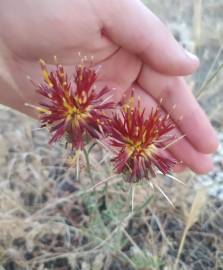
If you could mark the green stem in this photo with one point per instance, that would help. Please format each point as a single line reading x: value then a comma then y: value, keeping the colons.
x: 86, y: 155
x: 91, y: 148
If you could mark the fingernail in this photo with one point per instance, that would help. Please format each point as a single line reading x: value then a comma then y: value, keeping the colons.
x: 192, y: 56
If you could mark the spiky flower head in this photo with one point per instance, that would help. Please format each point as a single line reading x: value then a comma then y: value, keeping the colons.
x: 72, y: 108
x: 139, y: 140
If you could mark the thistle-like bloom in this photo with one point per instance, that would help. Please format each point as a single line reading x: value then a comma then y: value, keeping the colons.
x: 71, y: 107
x: 139, y: 141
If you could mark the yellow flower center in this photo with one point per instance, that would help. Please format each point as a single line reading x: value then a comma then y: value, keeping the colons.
x: 75, y: 114
x: 138, y: 148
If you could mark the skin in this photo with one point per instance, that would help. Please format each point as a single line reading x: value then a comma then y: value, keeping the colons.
x: 131, y: 45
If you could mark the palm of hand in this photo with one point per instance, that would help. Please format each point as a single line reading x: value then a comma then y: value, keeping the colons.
x: 56, y: 31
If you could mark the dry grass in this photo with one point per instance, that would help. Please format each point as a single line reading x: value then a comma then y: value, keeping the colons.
x: 49, y: 219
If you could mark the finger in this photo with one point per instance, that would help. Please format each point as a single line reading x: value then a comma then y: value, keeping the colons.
x: 179, y: 168
x: 182, y: 150
x: 111, y: 71
x: 180, y: 103
x: 141, y: 32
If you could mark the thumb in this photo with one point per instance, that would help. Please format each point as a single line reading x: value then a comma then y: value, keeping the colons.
x: 131, y: 25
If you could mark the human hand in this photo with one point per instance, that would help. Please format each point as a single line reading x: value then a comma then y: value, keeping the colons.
x: 130, y: 43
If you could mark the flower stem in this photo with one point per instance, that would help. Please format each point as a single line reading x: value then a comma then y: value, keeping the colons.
x: 86, y: 155
x: 91, y: 148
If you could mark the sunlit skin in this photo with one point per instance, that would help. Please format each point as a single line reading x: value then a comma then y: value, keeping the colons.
x: 71, y: 108
x: 139, y: 139
x: 134, y: 51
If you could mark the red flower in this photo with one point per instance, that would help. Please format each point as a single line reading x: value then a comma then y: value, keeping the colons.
x: 139, y: 141
x: 72, y: 108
